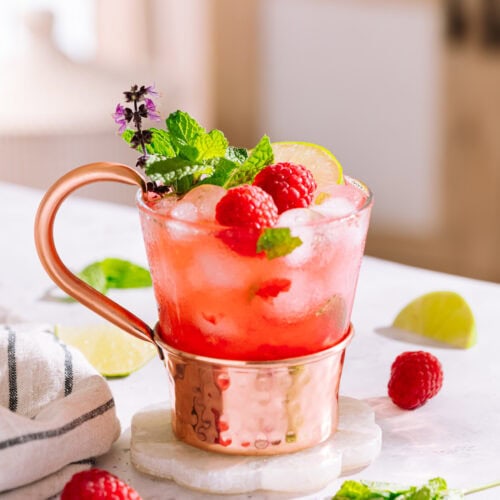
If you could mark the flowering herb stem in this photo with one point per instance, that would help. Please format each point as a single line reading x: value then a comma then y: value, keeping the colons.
x: 146, y: 109
x: 137, y: 122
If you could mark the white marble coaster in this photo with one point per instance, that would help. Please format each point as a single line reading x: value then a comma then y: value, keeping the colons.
x: 156, y: 451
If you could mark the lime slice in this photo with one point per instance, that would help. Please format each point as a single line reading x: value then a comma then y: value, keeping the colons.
x: 443, y: 316
x: 325, y: 168
x: 110, y: 350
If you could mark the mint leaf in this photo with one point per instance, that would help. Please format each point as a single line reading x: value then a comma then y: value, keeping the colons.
x: 161, y: 143
x: 183, y: 183
x: 222, y: 170
x: 115, y: 273
x: 158, y: 165
x: 236, y: 155
x: 188, y: 152
x: 94, y: 275
x: 125, y: 274
x: 211, y: 145
x: 183, y: 128
x: 192, y: 142
x: 260, y: 156
x: 437, y: 484
x: 170, y: 170
x: 277, y: 241
x: 361, y: 490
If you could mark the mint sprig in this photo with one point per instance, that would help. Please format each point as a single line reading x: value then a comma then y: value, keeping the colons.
x: 434, y: 489
x: 277, y: 242
x: 185, y: 155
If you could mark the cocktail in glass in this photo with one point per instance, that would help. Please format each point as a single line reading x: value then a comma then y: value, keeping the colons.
x: 215, y: 302
x: 254, y: 346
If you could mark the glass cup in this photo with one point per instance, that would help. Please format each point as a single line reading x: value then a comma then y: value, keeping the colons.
x: 254, y: 347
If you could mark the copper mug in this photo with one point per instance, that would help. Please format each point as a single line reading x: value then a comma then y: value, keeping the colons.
x: 222, y: 405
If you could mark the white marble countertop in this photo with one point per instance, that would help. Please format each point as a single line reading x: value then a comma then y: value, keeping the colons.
x: 456, y: 435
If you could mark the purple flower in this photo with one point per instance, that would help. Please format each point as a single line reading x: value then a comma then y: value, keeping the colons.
x: 151, y: 110
x: 120, y: 117
x: 150, y: 90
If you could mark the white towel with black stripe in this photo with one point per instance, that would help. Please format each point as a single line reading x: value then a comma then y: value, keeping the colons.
x: 56, y: 413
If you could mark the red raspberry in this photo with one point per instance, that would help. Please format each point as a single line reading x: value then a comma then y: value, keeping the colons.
x: 94, y: 484
x: 246, y: 206
x: 290, y: 185
x: 273, y: 287
x: 242, y: 240
x: 416, y: 376
x: 248, y: 210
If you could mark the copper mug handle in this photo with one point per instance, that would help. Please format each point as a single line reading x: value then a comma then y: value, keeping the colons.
x: 55, y: 268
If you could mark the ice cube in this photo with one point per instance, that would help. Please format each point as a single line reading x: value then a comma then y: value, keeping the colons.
x: 214, y: 269
x: 303, y: 298
x: 204, y: 198
x: 338, y: 200
x: 301, y: 222
x: 335, y: 207
x: 184, y: 210
x: 198, y: 205
x: 161, y: 204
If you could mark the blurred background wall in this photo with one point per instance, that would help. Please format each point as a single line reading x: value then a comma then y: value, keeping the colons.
x: 406, y: 94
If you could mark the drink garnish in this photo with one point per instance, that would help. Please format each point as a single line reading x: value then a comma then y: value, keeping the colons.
x: 291, y: 185
x: 260, y: 156
x: 184, y: 155
x: 325, y: 168
x: 246, y: 210
x: 277, y: 242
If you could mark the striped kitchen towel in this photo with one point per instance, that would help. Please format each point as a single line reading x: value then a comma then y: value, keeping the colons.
x: 56, y: 413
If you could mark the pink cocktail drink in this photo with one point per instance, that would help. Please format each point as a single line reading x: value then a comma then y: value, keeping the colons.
x: 254, y: 256
x: 215, y: 302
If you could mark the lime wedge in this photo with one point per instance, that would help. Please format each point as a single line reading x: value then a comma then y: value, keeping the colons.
x: 442, y: 316
x: 110, y: 350
x: 325, y: 168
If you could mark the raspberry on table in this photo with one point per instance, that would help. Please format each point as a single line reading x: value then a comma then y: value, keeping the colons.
x: 247, y: 210
x: 290, y: 185
x: 416, y: 376
x: 97, y: 484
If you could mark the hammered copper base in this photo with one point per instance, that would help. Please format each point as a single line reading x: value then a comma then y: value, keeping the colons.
x: 258, y: 407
